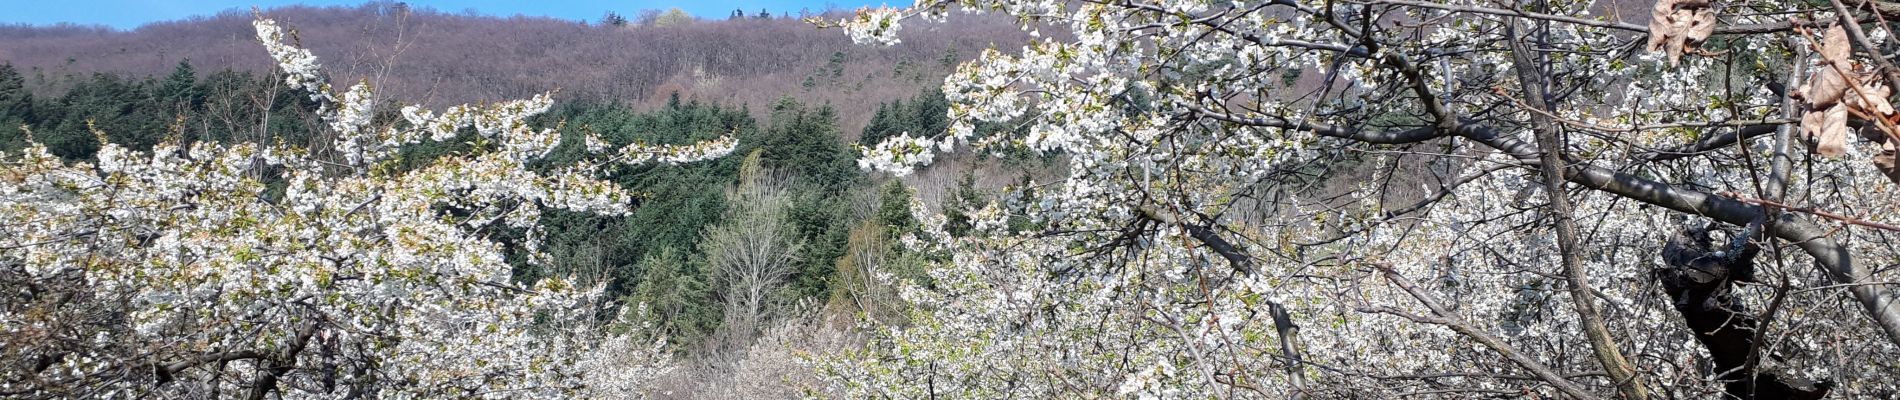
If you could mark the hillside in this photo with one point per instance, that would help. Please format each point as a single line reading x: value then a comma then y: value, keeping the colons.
x: 1156, y: 199
x: 442, y: 58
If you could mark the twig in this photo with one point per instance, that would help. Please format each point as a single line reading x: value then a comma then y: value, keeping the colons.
x: 1812, y: 211
x: 1853, y: 30
x: 1441, y: 316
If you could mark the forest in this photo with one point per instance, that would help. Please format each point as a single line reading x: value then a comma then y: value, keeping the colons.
x: 791, y: 170
x: 446, y: 57
x: 1634, y: 199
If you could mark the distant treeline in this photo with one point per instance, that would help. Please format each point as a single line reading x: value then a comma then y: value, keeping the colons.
x: 223, y: 106
x: 444, y: 58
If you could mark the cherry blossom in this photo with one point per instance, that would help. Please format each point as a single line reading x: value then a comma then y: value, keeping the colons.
x: 218, y: 270
x: 1288, y: 199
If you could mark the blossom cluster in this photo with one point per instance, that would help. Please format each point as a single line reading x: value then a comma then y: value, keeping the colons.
x: 210, y: 269
x: 1227, y: 160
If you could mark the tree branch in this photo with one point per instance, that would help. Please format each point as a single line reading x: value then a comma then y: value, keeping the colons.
x: 1241, y: 262
x: 1441, y: 316
x: 1727, y: 29
x: 1711, y: 143
x: 1604, y: 347
x: 266, y: 381
x: 1887, y: 70
x: 1833, y: 257
x: 1876, y: 300
x: 167, y: 372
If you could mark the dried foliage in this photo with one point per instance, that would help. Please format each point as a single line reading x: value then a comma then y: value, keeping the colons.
x: 1841, y: 89
x: 1680, y: 26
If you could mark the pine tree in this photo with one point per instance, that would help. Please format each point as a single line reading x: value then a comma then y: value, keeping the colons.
x: 678, y: 300
x: 16, y: 108
x: 15, y: 101
x: 956, y: 209
x: 893, y: 210
x: 179, y: 92
x: 613, y: 19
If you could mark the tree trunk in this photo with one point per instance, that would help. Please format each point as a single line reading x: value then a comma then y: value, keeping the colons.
x: 1699, y: 280
x: 1604, y: 347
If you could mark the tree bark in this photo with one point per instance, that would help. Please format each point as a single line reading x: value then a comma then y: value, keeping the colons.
x: 1699, y: 283
x: 272, y: 368
x: 1876, y: 300
x: 1812, y: 239
x: 1442, y: 316
x: 1602, y: 345
x: 1242, y: 262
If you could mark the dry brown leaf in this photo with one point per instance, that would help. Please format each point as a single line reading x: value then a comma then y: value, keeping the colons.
x: 1826, y: 131
x: 1834, y: 46
x: 1700, y: 27
x: 1678, y: 41
x: 1659, y: 24
x: 1872, y: 97
x: 1838, y: 90
x: 1811, y: 124
x: 1674, y: 49
x: 1833, y: 134
x: 1680, y: 26
x: 1825, y: 88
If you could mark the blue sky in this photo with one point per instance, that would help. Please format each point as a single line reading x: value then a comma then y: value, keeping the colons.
x: 128, y: 14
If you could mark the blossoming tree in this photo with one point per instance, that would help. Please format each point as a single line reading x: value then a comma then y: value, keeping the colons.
x: 222, y: 270
x: 1394, y: 198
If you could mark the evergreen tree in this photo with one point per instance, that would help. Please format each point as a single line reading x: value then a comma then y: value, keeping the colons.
x: 964, y: 200
x: 877, y: 129
x: 15, y: 100
x: 893, y: 210
x: 925, y: 115
x: 16, y: 107
x: 930, y: 112
x: 805, y: 142
x: 613, y: 19
x: 673, y: 205
x: 179, y: 92
x: 822, y: 222
x: 109, y: 104
x: 679, y: 301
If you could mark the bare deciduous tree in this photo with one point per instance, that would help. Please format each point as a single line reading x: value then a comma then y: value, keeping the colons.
x: 751, y: 253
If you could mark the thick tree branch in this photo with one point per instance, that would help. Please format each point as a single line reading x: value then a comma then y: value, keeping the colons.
x: 1877, y: 300
x: 166, y: 372
x: 1888, y: 9
x: 1240, y: 261
x: 1712, y: 143
x: 1407, y: 136
x: 1780, y: 164
x: 1725, y: 29
x: 1442, y: 316
x: 1604, y: 346
x: 272, y: 369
